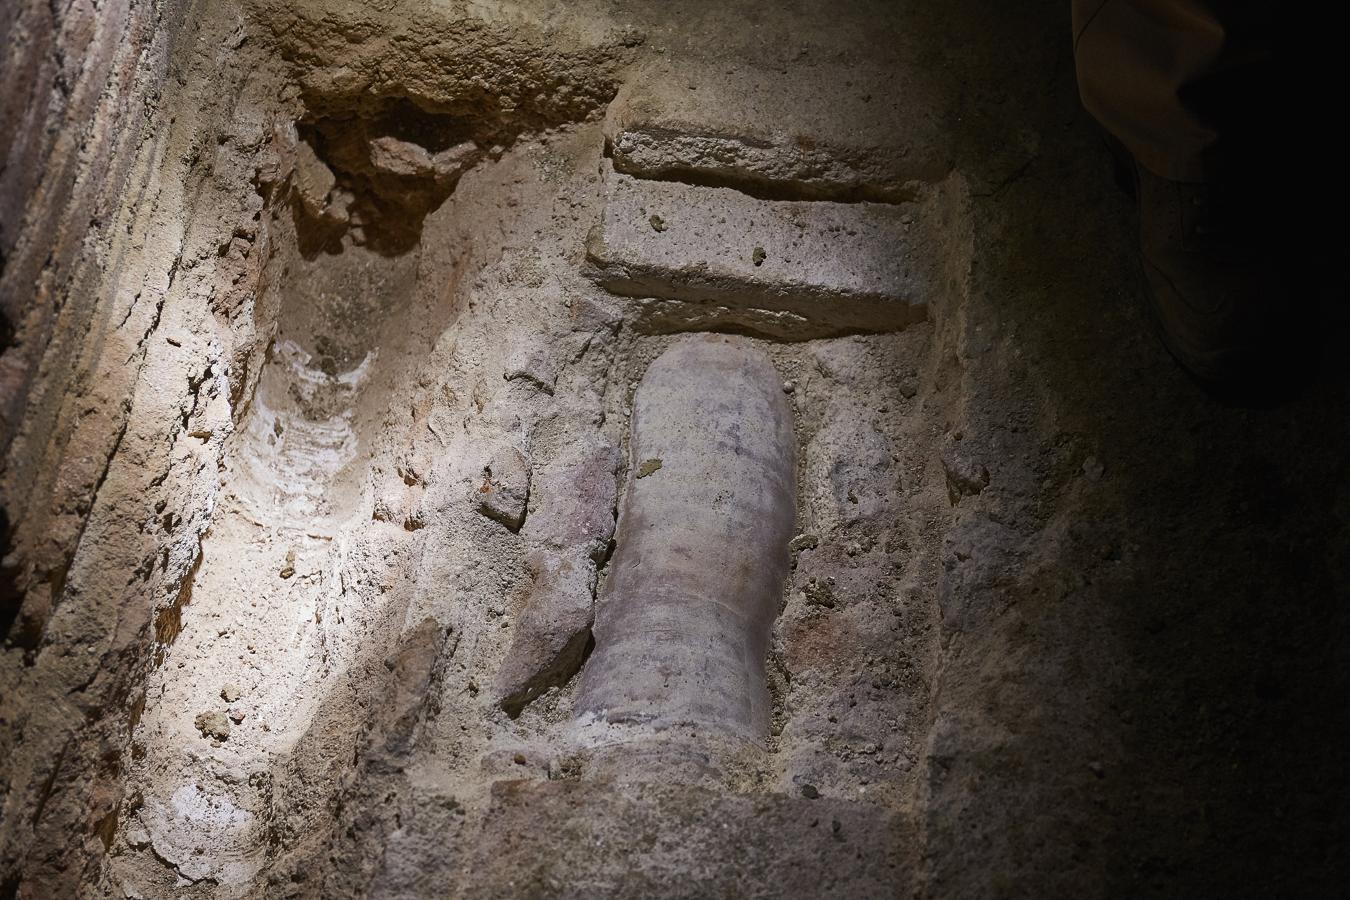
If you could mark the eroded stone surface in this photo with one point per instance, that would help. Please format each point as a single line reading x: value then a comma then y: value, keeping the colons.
x: 392, y: 156
x: 569, y: 532
x: 870, y: 133
x: 504, y: 490
x: 553, y: 632
x: 660, y: 840
x: 313, y: 180
x: 788, y: 269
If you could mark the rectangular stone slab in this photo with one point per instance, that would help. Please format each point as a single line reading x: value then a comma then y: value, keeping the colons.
x: 786, y: 269
x: 823, y: 132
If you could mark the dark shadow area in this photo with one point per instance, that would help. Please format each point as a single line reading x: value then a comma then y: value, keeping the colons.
x: 390, y: 168
x: 11, y: 597
x: 1168, y: 666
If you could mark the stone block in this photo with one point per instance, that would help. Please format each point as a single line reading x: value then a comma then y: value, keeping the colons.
x: 554, y: 630
x: 504, y: 490
x: 716, y: 258
x: 860, y: 133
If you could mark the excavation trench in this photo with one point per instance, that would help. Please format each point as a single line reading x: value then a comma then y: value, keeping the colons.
x: 502, y: 510
x: 626, y: 449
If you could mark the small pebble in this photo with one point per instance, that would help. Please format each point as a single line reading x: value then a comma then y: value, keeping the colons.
x: 809, y: 791
x: 213, y: 724
x: 1093, y: 469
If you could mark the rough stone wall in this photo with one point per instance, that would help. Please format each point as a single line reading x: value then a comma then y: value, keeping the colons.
x: 124, y: 310
x: 136, y: 322
x: 322, y: 325
x: 83, y: 76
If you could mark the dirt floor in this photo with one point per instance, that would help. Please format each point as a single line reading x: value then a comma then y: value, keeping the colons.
x: 316, y: 478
